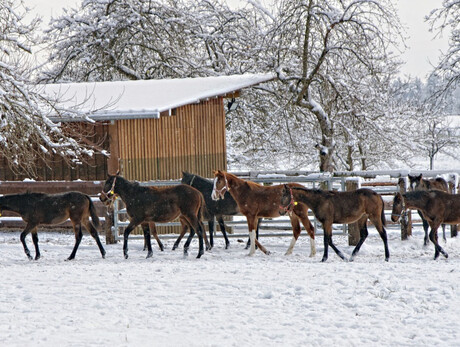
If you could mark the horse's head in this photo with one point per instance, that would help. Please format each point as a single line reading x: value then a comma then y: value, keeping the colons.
x: 108, y: 191
x: 416, y: 182
x: 220, y: 185
x: 398, y: 207
x: 287, y: 202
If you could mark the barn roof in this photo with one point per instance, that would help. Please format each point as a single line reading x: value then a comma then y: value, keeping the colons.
x: 142, y: 98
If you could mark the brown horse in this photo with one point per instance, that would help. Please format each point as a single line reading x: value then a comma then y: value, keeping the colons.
x: 420, y: 183
x: 255, y: 201
x: 436, y: 206
x: 341, y: 207
x: 156, y: 204
x: 39, y: 208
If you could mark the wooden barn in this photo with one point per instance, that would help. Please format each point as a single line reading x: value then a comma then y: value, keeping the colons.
x: 153, y: 129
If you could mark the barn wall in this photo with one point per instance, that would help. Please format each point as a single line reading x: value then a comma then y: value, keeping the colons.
x: 192, y: 139
x: 160, y: 149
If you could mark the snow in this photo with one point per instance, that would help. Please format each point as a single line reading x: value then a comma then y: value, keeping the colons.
x: 227, y: 298
x: 144, y: 98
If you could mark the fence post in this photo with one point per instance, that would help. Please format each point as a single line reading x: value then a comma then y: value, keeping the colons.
x: 353, y: 229
x: 453, y: 185
x: 406, y: 218
x: 109, y: 237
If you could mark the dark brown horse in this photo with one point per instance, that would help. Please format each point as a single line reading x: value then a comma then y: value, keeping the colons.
x: 156, y: 204
x: 436, y: 206
x: 39, y: 208
x: 420, y: 183
x: 255, y: 201
x: 341, y: 207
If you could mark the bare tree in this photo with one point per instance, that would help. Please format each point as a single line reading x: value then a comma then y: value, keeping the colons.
x: 27, y: 135
x: 447, y: 18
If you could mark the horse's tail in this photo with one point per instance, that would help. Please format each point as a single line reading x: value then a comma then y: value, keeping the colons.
x: 92, y: 211
x: 382, y: 214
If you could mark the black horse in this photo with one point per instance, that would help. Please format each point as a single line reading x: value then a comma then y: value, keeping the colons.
x: 217, y: 209
x: 39, y: 208
x: 145, y: 205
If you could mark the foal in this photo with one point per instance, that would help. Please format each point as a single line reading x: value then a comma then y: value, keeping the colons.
x: 156, y: 204
x: 39, y: 208
x: 420, y: 183
x: 255, y: 201
x: 341, y: 207
x: 437, y: 207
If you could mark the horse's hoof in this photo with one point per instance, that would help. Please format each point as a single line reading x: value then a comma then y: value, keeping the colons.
x: 126, y: 256
x: 30, y: 257
x: 268, y: 253
x: 174, y: 247
x: 199, y: 255
x: 149, y: 255
x: 387, y: 259
x: 162, y: 248
x: 352, y: 258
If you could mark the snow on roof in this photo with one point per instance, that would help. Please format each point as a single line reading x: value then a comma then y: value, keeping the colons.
x: 143, y: 98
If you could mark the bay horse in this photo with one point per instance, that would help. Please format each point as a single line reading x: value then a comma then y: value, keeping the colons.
x: 214, y: 209
x: 341, y: 207
x: 420, y: 183
x: 39, y: 208
x: 156, y: 204
x: 255, y: 201
x: 436, y: 206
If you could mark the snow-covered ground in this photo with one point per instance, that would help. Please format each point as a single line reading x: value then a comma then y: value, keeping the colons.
x: 227, y: 298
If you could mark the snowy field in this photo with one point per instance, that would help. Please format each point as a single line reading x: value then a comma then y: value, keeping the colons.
x: 227, y: 298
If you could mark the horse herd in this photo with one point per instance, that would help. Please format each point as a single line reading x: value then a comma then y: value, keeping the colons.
x: 198, y: 199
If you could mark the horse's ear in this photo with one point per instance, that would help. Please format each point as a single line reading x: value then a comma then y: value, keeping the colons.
x: 215, y: 172
x: 118, y: 172
x: 419, y: 176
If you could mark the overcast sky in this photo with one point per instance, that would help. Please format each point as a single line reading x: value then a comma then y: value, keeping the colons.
x: 423, y: 48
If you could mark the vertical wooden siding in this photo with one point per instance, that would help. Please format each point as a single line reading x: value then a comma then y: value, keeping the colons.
x: 192, y: 140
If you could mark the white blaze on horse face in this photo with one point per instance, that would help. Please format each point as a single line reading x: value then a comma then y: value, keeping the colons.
x: 214, y: 194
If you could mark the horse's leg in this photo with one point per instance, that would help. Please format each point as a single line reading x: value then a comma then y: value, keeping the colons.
x: 93, y: 232
x: 253, y: 226
x: 132, y: 224
x: 208, y: 245
x: 78, y: 236
x: 434, y: 238
x: 328, y: 231
x: 326, y: 243
x: 24, y: 233
x: 35, y: 241
x: 248, y: 244
x: 182, y: 233
x: 201, y: 235
x: 295, y: 234
x: 211, y: 231
x: 444, y: 232
x: 363, y: 233
x: 189, y: 239
x: 147, y: 239
x: 220, y: 220
x: 153, y: 230
x: 425, y: 229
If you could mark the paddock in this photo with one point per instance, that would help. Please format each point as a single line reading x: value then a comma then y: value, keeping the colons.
x: 227, y: 298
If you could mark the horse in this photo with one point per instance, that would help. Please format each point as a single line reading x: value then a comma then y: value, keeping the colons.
x: 39, y: 208
x: 156, y: 204
x: 420, y: 183
x: 255, y: 201
x: 437, y: 207
x: 214, y: 209
x: 341, y: 207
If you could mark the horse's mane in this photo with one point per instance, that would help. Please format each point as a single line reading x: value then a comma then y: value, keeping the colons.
x: 250, y: 183
x: 189, y: 177
x: 314, y: 190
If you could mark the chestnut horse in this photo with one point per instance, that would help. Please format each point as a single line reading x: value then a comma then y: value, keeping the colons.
x: 341, y: 207
x: 39, y: 208
x: 437, y: 207
x: 420, y: 183
x: 256, y: 201
x: 156, y: 204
